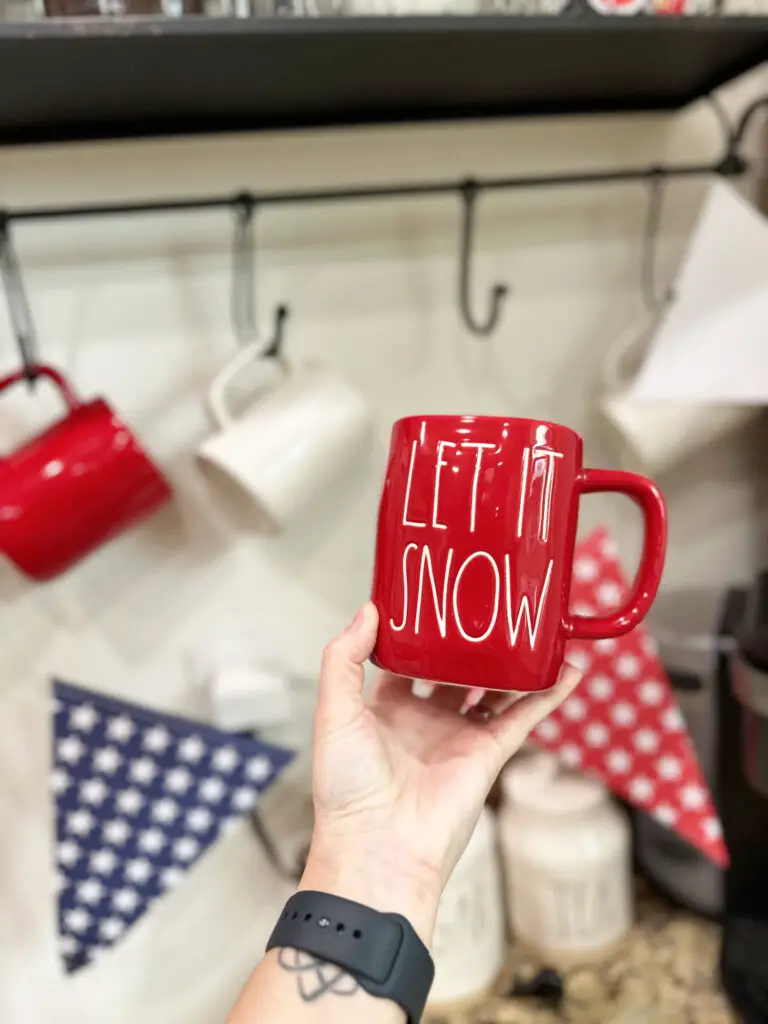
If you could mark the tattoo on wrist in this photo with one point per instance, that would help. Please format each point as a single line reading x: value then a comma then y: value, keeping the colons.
x: 316, y: 978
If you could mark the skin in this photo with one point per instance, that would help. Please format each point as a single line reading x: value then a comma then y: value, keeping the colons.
x: 399, y: 783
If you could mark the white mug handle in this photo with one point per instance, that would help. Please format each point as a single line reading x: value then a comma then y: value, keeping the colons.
x: 636, y: 333
x: 217, y: 391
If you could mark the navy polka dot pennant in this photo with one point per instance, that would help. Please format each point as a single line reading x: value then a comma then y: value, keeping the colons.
x: 140, y: 795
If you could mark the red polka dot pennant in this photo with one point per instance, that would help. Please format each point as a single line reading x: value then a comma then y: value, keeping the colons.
x: 623, y: 723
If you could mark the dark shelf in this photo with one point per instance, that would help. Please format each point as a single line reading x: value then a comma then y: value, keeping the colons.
x: 100, y: 78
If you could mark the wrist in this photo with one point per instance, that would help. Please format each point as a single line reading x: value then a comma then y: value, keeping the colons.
x: 378, y: 877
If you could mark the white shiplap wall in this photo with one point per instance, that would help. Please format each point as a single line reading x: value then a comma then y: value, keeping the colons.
x: 138, y: 310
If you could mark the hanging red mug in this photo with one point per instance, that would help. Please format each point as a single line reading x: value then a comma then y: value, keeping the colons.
x: 80, y: 483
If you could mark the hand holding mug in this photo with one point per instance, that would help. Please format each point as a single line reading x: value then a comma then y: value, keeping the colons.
x: 399, y: 781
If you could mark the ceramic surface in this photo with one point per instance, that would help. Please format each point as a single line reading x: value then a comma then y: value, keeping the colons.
x: 665, y: 971
x: 80, y: 483
x: 474, y: 556
x: 294, y: 442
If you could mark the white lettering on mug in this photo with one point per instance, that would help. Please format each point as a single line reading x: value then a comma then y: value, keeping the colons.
x: 426, y: 561
x: 532, y: 456
x: 524, y: 608
x: 401, y: 627
x: 523, y: 616
x: 527, y: 614
x: 523, y: 491
x: 479, y: 445
x: 438, y: 467
x: 545, y: 506
x: 538, y: 463
x: 406, y: 520
x: 496, y: 595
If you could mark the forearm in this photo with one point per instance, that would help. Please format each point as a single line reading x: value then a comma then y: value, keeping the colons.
x: 292, y: 987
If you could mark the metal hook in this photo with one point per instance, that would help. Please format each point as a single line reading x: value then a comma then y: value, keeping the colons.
x: 275, y: 348
x: 244, y: 316
x: 18, y: 306
x: 746, y: 118
x: 651, y: 301
x: 469, y: 195
x: 733, y: 162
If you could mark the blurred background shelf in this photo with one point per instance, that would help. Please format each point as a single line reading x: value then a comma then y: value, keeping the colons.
x: 84, y: 78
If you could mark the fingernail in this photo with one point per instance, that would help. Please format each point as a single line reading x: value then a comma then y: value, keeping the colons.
x: 472, y: 699
x: 422, y: 689
x: 571, y: 675
x: 363, y: 616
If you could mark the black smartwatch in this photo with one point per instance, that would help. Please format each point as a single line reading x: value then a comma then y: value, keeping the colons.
x: 381, y: 952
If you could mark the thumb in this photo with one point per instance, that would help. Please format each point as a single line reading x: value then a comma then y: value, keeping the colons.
x: 342, y: 673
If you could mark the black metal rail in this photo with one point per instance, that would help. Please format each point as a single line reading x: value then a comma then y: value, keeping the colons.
x: 731, y: 164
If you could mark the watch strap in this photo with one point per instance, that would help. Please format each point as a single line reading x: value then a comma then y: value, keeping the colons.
x: 382, y: 952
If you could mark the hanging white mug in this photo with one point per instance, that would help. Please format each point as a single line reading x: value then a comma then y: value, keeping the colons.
x: 292, y: 444
x: 654, y: 436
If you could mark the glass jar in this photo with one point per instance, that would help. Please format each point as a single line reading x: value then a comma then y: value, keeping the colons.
x: 566, y: 848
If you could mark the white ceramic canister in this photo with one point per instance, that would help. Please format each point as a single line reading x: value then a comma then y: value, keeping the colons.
x: 468, y: 945
x: 566, y: 850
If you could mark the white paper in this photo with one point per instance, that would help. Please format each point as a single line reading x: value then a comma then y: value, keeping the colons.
x: 712, y: 346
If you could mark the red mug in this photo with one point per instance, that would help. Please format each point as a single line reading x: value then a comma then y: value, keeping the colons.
x: 80, y: 483
x: 474, y: 552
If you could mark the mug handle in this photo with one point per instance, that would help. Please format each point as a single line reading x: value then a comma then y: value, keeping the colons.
x: 613, y: 379
x: 647, y: 495
x: 61, y: 382
x: 217, y: 391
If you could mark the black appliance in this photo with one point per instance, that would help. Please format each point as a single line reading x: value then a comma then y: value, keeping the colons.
x: 742, y: 794
x: 714, y: 645
x: 688, y: 629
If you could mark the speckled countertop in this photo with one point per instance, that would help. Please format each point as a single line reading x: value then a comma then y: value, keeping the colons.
x: 664, y: 972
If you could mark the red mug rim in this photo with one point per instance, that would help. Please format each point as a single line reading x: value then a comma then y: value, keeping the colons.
x: 116, y: 420
x: 483, y: 418
x: 120, y: 424
x: 74, y: 405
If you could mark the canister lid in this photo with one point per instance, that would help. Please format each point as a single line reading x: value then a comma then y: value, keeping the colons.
x: 570, y: 794
x: 528, y: 774
x: 537, y: 782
